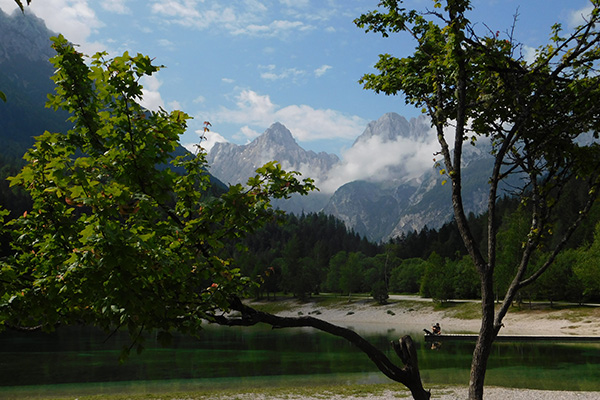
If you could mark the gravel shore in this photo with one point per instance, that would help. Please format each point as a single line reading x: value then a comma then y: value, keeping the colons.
x: 490, y: 393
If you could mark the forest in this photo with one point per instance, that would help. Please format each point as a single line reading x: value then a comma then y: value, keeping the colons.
x: 308, y: 254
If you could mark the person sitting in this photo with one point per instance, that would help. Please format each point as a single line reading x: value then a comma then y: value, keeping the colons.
x: 436, y: 329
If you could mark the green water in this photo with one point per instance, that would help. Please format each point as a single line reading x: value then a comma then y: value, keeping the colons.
x: 83, y: 359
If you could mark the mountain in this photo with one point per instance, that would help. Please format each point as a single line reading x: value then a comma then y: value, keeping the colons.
x: 25, y: 73
x: 236, y: 163
x: 233, y: 163
x: 403, y: 193
x: 392, y: 126
x: 384, y: 208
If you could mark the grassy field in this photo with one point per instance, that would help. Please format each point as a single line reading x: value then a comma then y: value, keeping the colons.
x: 257, y: 389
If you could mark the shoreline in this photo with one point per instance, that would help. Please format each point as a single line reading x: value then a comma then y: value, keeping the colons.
x: 411, y: 314
x: 441, y: 393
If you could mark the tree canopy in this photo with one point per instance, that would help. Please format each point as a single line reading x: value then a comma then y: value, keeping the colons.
x: 120, y: 234
x: 476, y: 85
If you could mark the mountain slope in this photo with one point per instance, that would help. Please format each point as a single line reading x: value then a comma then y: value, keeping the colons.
x: 398, y: 190
x: 25, y: 79
x: 234, y: 164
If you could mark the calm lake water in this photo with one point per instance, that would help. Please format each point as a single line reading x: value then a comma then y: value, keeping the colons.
x: 73, y: 359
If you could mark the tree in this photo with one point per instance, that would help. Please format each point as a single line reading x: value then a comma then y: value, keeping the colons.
x: 20, y: 4
x: 587, y: 269
x: 332, y: 282
x: 376, y: 272
x: 476, y: 86
x: 406, y: 277
x: 438, y: 279
x: 120, y: 236
x: 351, y: 274
x: 115, y: 230
x: 466, y: 281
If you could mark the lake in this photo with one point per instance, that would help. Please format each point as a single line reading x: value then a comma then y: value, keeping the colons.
x: 84, y: 359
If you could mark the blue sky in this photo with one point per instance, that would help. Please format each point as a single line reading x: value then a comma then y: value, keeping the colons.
x: 244, y: 64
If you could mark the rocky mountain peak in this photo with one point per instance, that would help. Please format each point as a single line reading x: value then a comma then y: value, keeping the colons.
x: 24, y: 35
x: 391, y: 126
x: 234, y: 163
x: 276, y: 135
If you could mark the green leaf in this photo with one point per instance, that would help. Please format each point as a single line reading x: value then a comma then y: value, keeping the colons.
x: 2, y: 96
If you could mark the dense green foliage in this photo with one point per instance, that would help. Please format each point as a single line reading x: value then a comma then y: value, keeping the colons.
x: 114, y: 238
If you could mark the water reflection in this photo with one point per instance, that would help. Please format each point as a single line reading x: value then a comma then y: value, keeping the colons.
x: 83, y: 355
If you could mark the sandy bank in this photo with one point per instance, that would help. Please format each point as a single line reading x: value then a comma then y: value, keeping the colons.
x: 408, y: 314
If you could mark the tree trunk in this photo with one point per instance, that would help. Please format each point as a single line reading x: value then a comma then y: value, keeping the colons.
x: 487, y: 334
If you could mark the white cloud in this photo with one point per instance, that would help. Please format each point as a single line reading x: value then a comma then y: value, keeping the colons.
x: 305, y: 122
x: 180, y: 12
x: 227, y: 80
x: 250, y: 17
x: 578, y: 17
x: 287, y: 73
x: 251, y: 108
x: 322, y: 70
x: 205, y: 140
x: 295, y: 3
x: 116, y: 6
x: 166, y: 44
x: 277, y: 28
x: 247, y: 133
x: 529, y: 54
x: 8, y: 6
x: 375, y: 159
x: 152, y: 99
x: 174, y: 105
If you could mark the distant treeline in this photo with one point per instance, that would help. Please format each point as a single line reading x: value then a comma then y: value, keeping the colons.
x: 313, y: 253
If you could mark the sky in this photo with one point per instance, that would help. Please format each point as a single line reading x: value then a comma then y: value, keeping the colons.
x: 245, y: 64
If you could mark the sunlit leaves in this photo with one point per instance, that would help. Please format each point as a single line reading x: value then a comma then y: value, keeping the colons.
x: 121, y: 234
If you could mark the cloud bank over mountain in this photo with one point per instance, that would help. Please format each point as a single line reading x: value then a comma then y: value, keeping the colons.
x: 306, y: 123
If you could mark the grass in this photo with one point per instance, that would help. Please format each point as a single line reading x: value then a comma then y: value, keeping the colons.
x: 288, y: 303
x: 460, y: 310
x: 319, y: 391
x: 559, y: 311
